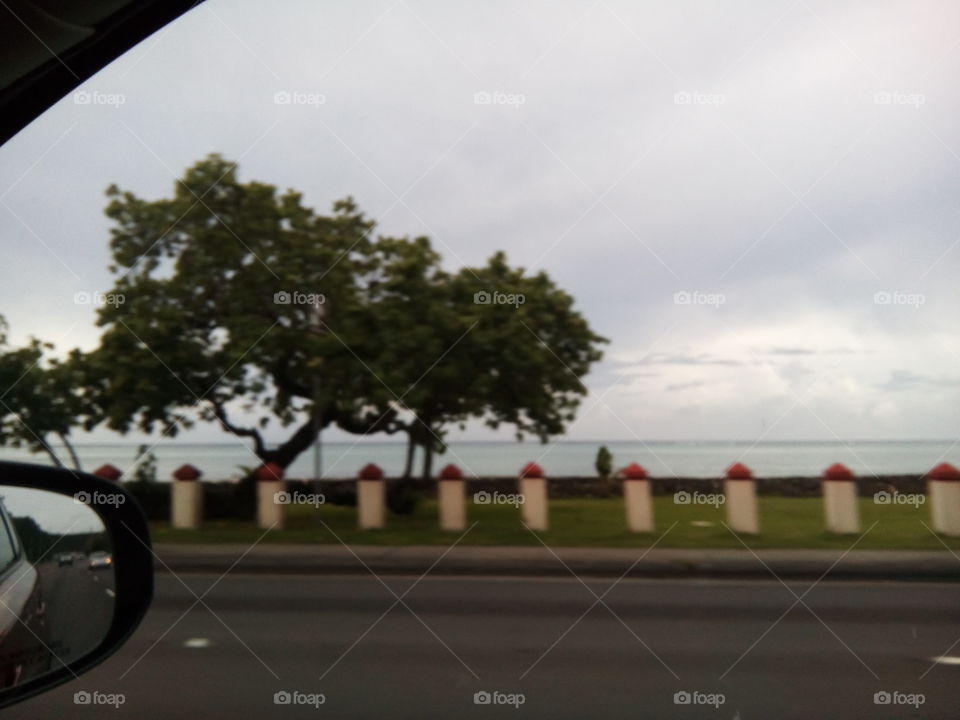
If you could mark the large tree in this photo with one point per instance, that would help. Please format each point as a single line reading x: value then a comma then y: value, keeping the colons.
x: 222, y: 314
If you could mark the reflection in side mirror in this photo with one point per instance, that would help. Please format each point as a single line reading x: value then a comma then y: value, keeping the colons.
x: 56, y: 582
x: 76, y: 575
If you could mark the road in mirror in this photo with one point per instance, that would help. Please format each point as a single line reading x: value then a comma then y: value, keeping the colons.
x: 56, y: 581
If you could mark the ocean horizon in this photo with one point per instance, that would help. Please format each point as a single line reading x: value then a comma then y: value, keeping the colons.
x: 663, y: 458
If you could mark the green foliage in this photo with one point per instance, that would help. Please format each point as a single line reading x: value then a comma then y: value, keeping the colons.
x: 397, y: 345
x: 44, y: 397
x: 604, y: 462
x: 146, y: 469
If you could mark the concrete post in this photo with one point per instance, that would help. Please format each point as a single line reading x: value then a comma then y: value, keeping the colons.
x: 452, y: 499
x: 186, y: 498
x: 371, y: 498
x: 943, y: 489
x: 533, y: 490
x: 637, y: 499
x: 840, y: 500
x: 740, y: 490
x: 270, y: 513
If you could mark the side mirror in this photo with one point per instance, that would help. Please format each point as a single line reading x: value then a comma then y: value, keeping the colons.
x: 76, y: 575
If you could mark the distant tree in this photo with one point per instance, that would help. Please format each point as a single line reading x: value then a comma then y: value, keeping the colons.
x: 43, y: 398
x: 604, y: 462
x: 146, y: 469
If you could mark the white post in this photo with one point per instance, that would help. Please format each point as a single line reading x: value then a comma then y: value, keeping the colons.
x: 271, y: 490
x: 452, y: 499
x: 943, y: 486
x: 186, y: 505
x: 637, y: 499
x: 371, y: 498
x: 186, y: 498
x: 741, y: 500
x: 840, y: 500
x: 533, y: 492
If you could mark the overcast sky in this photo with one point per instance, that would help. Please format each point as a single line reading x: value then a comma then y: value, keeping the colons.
x: 756, y: 202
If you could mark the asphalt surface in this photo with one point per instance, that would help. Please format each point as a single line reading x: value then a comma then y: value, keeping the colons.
x: 545, y: 641
x: 539, y: 560
x: 79, y: 607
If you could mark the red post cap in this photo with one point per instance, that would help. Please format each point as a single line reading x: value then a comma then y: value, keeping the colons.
x: 371, y: 472
x: 944, y: 471
x: 186, y: 472
x: 838, y: 471
x: 269, y: 472
x: 633, y: 471
x: 108, y: 471
x: 531, y: 470
x: 739, y: 471
x: 451, y: 472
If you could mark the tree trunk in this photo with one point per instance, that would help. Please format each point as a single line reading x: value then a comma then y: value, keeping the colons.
x: 49, y: 450
x: 411, y: 451
x: 70, y: 449
x: 428, y: 460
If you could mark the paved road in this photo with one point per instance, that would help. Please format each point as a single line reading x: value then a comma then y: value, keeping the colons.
x: 453, y: 637
x: 79, y: 606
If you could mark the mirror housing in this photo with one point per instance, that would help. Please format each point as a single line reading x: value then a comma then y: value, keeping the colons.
x: 132, y: 561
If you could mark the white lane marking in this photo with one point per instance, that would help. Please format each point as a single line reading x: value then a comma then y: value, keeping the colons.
x: 946, y: 660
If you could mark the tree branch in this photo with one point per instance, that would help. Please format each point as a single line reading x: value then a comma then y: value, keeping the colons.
x: 220, y: 413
